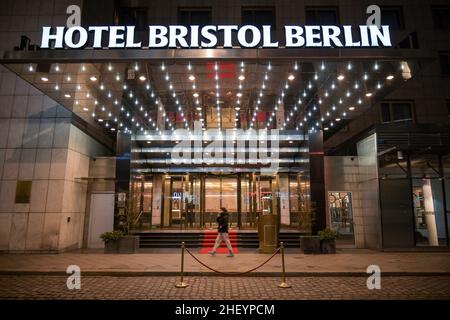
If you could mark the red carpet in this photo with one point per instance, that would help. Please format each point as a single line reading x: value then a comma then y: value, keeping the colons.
x: 209, y: 238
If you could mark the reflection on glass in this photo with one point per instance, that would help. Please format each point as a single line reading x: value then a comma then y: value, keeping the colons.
x: 306, y: 209
x: 141, y: 202
x: 177, y: 200
x: 229, y: 194
x: 247, y: 196
x: 429, y: 212
x: 294, y: 201
x: 264, y: 205
x: 135, y: 196
x: 212, y: 195
x: 341, y: 215
x: 191, y: 200
x: 167, y: 201
x: 147, y: 204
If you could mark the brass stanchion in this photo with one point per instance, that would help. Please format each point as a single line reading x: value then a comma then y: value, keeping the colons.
x: 182, y: 284
x: 283, y: 283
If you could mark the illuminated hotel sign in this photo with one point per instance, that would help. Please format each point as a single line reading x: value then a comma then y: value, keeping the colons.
x: 212, y: 36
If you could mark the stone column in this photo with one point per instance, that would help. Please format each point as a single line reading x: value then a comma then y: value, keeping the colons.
x: 430, y: 217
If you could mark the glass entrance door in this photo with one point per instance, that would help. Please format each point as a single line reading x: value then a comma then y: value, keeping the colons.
x: 341, y: 215
x: 192, y: 202
x: 140, y: 207
x: 177, y: 216
x: 182, y: 202
x: 220, y: 191
x: 264, y: 195
x: 247, y: 202
x: 257, y: 198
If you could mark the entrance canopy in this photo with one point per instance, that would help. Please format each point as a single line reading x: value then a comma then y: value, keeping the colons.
x: 152, y: 93
x: 161, y: 97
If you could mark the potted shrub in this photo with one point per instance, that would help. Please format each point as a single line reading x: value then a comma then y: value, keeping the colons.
x: 129, y: 242
x: 111, y: 240
x: 310, y: 244
x: 328, y: 240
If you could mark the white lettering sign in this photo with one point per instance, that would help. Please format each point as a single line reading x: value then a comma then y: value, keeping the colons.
x: 248, y: 36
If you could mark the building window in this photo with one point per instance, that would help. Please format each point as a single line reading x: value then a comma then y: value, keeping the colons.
x: 194, y: 16
x: 398, y: 111
x: 393, y: 17
x: 410, y: 42
x: 444, y: 58
x: 322, y: 16
x: 441, y: 17
x: 23, y: 192
x: 260, y: 16
x: 133, y: 16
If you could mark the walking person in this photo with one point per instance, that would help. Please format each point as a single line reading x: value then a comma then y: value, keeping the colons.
x: 222, y: 221
x: 190, y: 215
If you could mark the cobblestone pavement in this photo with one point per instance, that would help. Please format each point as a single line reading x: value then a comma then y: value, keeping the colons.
x: 107, y: 287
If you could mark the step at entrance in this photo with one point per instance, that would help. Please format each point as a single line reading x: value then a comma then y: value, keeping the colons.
x: 206, y: 239
x: 209, y: 239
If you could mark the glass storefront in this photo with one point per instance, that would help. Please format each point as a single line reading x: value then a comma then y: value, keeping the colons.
x: 192, y: 201
x: 426, y: 174
x: 429, y: 216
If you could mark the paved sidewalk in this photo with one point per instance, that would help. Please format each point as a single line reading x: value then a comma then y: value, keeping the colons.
x: 167, y: 262
x: 224, y: 288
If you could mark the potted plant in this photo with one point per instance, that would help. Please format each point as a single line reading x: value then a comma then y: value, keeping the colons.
x: 129, y: 242
x: 328, y: 240
x: 111, y: 240
x: 309, y: 244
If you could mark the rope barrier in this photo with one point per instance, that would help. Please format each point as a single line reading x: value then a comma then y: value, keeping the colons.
x: 231, y: 273
x: 182, y: 284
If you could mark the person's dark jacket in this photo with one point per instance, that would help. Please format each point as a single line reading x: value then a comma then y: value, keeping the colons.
x: 222, y: 221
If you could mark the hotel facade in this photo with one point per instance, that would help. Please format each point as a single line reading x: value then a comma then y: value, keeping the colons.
x: 324, y: 114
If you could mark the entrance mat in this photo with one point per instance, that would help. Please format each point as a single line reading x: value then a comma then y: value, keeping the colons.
x: 209, y: 238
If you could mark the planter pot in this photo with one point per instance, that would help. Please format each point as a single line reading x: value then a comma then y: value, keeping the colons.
x: 328, y: 246
x: 128, y: 244
x: 111, y: 247
x: 310, y: 244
